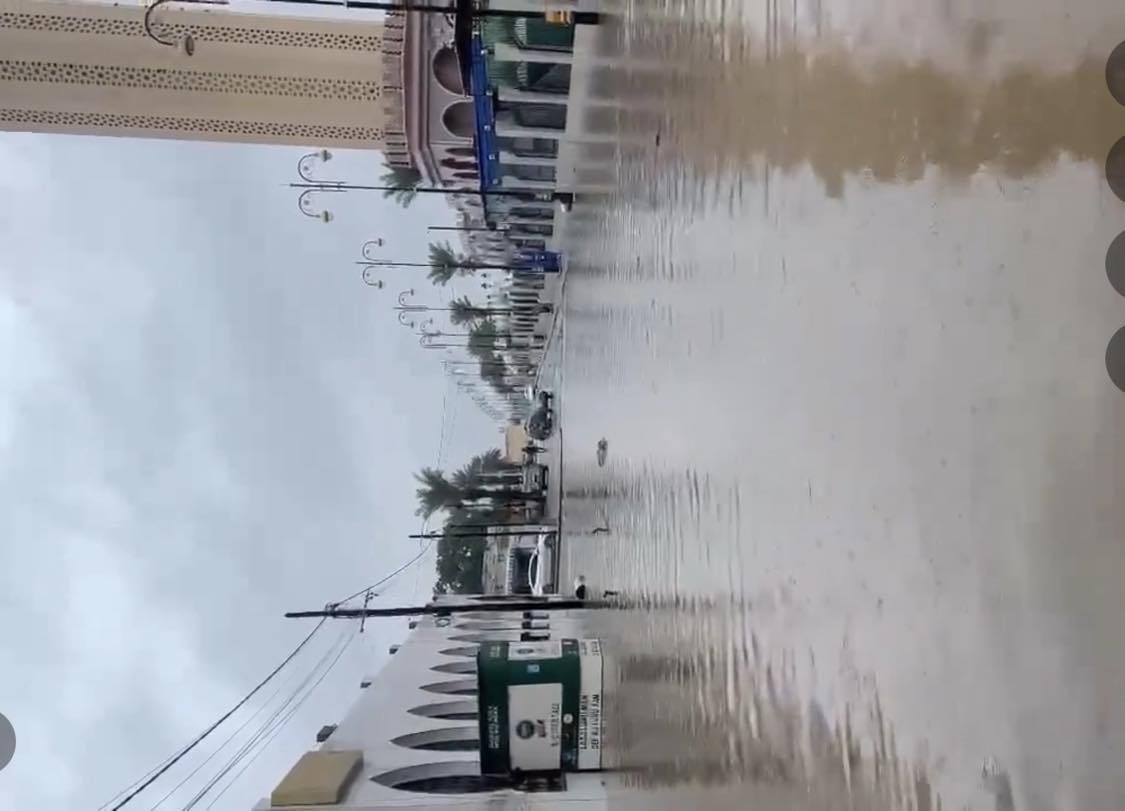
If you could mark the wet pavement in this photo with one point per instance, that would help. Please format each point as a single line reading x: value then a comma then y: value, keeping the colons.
x: 845, y: 328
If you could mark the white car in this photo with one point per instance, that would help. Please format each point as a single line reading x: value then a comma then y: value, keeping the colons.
x: 541, y: 566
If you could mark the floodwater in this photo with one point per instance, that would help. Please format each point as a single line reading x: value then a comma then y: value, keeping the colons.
x: 845, y: 327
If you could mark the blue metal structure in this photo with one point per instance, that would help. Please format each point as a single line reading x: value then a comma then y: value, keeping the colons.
x: 488, y: 152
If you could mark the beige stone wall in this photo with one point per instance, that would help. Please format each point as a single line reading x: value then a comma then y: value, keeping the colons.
x: 87, y: 68
x: 318, y: 778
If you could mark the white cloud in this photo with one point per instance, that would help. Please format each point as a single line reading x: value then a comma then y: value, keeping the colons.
x: 202, y: 426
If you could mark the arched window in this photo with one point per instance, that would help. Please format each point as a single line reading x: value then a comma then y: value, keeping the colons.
x: 447, y: 71
x: 457, y: 668
x: 449, y: 739
x: 458, y: 687
x: 457, y: 777
x: 463, y: 710
x: 482, y: 625
x: 468, y: 650
x: 459, y: 119
x: 494, y: 636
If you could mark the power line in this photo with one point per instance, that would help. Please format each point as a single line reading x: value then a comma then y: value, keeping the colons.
x: 378, y: 583
x: 139, y: 780
x: 199, y: 738
x: 442, y: 436
x: 338, y: 647
x: 277, y: 730
x: 223, y: 745
x: 240, y: 753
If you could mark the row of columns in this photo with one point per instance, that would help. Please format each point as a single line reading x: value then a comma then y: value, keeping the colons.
x: 507, y: 126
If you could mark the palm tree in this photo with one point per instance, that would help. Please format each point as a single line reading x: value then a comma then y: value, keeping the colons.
x: 405, y: 180
x: 435, y: 492
x: 462, y: 311
x: 482, y: 339
x: 438, y: 492
x: 466, y: 502
x: 446, y: 263
x: 494, y: 373
x: 469, y: 476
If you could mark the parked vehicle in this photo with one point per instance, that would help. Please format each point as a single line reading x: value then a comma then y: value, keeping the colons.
x: 541, y: 566
x: 523, y: 560
x: 541, y: 423
x: 534, y: 478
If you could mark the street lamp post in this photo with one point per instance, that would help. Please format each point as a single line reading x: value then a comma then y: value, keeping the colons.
x: 493, y: 229
x: 310, y: 186
x: 578, y: 17
x: 371, y: 265
x: 186, y: 42
x: 370, y: 269
x: 427, y: 341
x: 565, y: 199
x: 405, y: 306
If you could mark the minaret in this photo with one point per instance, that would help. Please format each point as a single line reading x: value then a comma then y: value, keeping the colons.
x: 90, y: 69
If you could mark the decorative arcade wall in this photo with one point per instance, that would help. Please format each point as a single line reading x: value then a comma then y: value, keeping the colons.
x: 90, y: 69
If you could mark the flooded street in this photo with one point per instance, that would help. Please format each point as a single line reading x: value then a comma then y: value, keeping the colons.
x: 844, y: 327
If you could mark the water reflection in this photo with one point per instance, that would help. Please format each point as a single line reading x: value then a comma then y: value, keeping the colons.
x: 719, y: 718
x: 844, y: 324
x: 888, y: 122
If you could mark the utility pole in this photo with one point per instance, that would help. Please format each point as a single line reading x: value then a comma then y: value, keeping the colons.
x: 493, y: 229
x: 366, y: 602
x: 578, y: 17
x: 429, y: 536
x: 529, y: 196
x: 534, y: 524
x: 530, y: 604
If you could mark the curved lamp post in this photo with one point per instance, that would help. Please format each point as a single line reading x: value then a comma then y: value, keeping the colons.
x: 304, y: 203
x: 187, y: 41
x: 304, y: 199
x: 369, y: 264
x: 307, y: 161
x: 424, y: 327
x: 370, y: 246
x: 564, y: 200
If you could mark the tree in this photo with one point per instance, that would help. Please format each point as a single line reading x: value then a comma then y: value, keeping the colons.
x: 462, y: 311
x: 435, y: 492
x: 466, y: 502
x: 447, y: 263
x: 405, y: 180
x: 493, y: 373
x: 469, y: 476
x: 460, y: 566
x: 483, y: 339
x: 438, y: 492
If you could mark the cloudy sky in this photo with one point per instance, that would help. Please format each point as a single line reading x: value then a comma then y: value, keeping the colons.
x: 205, y: 420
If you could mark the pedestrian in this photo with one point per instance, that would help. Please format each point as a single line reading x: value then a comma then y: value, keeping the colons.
x: 580, y: 590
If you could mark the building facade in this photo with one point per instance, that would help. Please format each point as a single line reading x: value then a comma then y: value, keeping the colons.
x: 411, y: 739
x: 422, y: 63
x: 91, y: 69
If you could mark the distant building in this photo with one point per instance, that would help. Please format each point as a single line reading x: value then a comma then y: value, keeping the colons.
x: 494, y: 578
x: 411, y: 738
x: 515, y: 440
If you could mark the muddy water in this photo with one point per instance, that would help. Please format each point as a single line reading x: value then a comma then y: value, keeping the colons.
x: 844, y: 327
